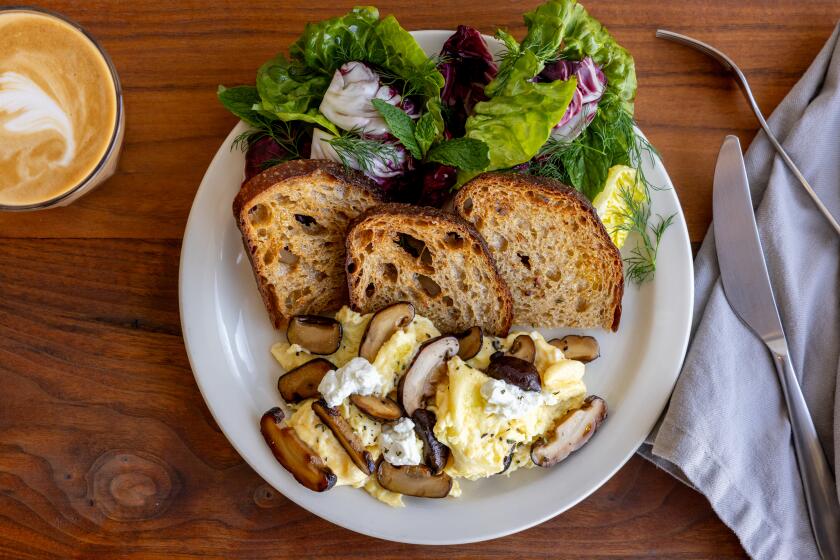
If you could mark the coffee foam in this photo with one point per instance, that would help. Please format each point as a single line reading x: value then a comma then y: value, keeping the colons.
x: 57, y: 107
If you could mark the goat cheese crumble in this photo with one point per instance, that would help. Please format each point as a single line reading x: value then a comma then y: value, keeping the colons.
x: 358, y: 376
x: 511, y: 402
x: 400, y: 445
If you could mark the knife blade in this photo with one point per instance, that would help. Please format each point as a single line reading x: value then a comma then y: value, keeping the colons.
x: 746, y: 284
x: 742, y: 267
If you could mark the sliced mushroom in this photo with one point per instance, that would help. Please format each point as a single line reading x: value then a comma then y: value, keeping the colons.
x: 523, y: 348
x: 435, y: 454
x: 470, y: 342
x: 382, y: 326
x: 419, y: 381
x: 293, y: 453
x: 515, y: 371
x: 319, y: 335
x: 345, y: 435
x: 302, y: 382
x: 414, y: 480
x: 378, y: 408
x: 571, y: 433
x: 575, y: 347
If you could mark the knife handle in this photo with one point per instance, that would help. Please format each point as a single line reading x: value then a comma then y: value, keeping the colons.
x: 817, y: 479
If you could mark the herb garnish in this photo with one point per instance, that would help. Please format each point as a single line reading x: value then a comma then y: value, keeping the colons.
x: 584, y: 163
x: 288, y: 135
x: 358, y: 152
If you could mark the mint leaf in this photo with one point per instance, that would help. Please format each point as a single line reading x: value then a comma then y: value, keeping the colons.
x: 467, y: 154
x: 429, y: 126
x: 400, y: 125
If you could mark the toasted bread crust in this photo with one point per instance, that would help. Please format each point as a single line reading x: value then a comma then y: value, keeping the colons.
x: 297, y: 168
x: 551, y: 189
x: 279, y: 178
x: 446, y: 221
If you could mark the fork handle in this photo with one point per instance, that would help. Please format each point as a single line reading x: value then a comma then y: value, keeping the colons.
x: 817, y: 479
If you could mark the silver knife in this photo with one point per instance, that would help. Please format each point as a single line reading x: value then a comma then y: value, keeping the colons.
x: 749, y: 292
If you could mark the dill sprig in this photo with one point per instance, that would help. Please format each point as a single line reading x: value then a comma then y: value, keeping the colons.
x: 636, y: 218
x: 416, y: 81
x: 288, y: 135
x: 357, y: 152
x: 611, y: 139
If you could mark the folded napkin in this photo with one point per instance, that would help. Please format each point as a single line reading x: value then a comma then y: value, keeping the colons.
x: 726, y: 430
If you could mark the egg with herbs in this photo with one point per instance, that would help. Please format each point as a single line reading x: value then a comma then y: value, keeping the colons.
x: 488, y: 424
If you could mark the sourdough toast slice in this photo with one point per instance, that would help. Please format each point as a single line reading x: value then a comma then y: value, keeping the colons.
x: 293, y: 218
x: 551, y: 248
x: 434, y: 259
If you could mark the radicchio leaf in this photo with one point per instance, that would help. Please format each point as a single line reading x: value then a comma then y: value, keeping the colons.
x: 438, y: 181
x: 467, y: 67
x: 591, y: 83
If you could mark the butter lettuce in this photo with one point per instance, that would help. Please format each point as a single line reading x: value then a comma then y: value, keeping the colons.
x: 241, y: 101
x: 585, y: 36
x: 291, y: 89
x: 517, y: 120
x: 326, y: 45
x: 564, y: 29
x: 290, y: 92
x: 525, y: 112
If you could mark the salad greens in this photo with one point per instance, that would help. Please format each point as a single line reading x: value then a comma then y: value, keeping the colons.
x: 358, y: 89
x: 519, y: 117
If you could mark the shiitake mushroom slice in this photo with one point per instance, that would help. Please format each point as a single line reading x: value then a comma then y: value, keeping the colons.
x: 515, y: 371
x: 574, y: 429
x: 345, y: 435
x: 382, y: 326
x: 523, y: 348
x: 292, y: 452
x: 302, y: 382
x: 576, y: 347
x: 319, y: 335
x: 378, y: 408
x: 470, y: 342
x: 435, y: 454
x: 424, y: 371
x: 414, y: 480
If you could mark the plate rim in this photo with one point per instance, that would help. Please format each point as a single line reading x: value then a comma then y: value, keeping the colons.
x: 515, y: 527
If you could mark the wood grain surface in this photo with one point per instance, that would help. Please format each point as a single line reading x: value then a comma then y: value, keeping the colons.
x: 106, y: 447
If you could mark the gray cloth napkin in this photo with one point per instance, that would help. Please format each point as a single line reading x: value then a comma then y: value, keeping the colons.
x: 726, y: 430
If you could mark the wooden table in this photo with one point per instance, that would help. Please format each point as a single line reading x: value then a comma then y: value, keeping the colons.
x: 106, y: 447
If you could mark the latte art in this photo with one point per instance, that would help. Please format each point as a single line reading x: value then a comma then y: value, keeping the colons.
x: 58, y: 107
x: 33, y: 110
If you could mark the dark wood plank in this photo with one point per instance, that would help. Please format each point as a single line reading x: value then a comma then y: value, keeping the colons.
x: 172, y: 56
x: 108, y: 450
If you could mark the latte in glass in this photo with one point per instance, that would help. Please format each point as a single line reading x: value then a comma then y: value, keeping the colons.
x: 60, y: 111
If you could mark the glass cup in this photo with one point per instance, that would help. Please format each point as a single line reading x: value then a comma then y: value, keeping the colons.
x: 107, y: 165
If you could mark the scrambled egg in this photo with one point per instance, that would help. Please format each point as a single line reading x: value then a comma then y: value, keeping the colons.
x: 479, y: 442
x: 391, y: 362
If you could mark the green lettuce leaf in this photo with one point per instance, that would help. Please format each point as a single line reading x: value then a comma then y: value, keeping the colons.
x: 326, y: 45
x: 563, y: 29
x: 291, y: 92
x: 240, y: 101
x: 518, y: 119
x: 360, y: 35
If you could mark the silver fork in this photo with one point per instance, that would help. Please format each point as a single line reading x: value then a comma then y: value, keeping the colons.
x: 727, y: 63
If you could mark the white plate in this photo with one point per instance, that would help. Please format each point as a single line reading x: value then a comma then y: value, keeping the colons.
x: 228, y: 335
